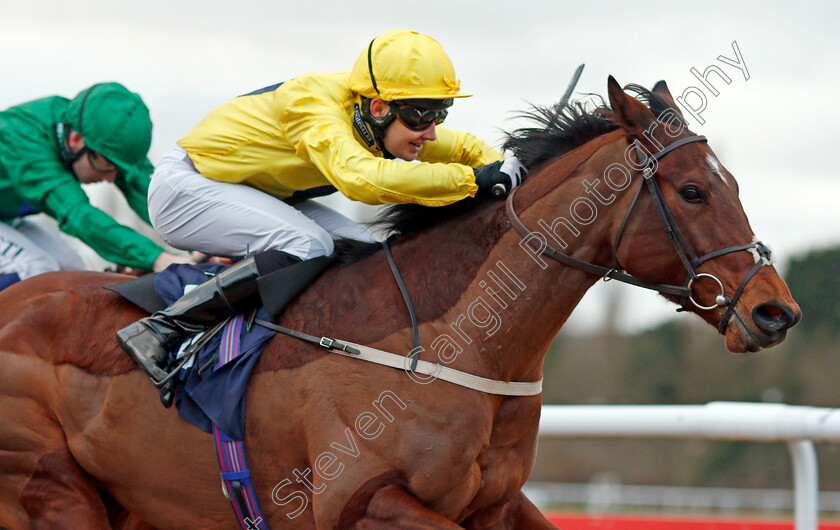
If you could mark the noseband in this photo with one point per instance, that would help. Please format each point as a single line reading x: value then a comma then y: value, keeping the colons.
x: 687, y: 256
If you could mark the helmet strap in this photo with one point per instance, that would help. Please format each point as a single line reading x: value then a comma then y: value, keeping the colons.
x: 370, y: 128
x: 68, y: 157
x: 364, y: 129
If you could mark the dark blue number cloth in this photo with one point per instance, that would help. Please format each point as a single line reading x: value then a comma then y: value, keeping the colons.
x: 219, y: 394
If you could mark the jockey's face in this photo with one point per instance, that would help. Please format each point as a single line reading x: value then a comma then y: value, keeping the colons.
x: 399, y: 140
x: 92, y: 167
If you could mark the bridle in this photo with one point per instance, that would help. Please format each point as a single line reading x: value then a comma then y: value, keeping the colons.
x: 687, y: 256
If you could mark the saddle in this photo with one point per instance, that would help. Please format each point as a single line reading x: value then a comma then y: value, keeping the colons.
x: 200, y: 385
x: 277, y: 290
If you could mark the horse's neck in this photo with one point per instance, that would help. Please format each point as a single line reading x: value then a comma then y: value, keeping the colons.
x: 514, y: 302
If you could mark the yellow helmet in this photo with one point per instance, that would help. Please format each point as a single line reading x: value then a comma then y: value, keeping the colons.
x: 404, y: 64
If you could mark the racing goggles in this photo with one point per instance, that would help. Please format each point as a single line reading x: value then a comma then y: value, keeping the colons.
x: 417, y: 118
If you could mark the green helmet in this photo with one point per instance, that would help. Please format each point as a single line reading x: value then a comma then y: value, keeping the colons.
x: 113, y: 121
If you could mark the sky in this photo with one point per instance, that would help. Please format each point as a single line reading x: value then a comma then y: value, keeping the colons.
x: 776, y: 132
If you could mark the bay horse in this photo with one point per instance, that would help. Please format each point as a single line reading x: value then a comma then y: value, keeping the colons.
x: 337, y: 443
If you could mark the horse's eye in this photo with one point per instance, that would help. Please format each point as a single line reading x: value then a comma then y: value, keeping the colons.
x: 693, y: 194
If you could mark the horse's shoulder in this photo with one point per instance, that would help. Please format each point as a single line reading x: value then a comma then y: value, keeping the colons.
x: 51, y: 315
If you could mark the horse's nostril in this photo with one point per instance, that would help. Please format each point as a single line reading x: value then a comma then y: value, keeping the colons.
x: 771, y: 317
x: 772, y: 311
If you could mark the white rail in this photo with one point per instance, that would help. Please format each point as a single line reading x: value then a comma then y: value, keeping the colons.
x: 796, y: 426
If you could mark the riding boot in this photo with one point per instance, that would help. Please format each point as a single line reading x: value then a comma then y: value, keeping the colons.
x: 149, y: 340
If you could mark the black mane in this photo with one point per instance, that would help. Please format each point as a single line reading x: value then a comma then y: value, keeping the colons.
x: 556, y: 130
x: 561, y: 128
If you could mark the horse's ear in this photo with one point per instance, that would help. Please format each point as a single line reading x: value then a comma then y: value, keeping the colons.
x: 661, y: 90
x: 633, y: 116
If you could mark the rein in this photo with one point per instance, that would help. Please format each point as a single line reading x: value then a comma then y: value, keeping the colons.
x: 687, y: 256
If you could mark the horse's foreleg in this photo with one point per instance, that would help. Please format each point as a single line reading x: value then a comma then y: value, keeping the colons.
x: 393, y: 507
x: 41, y: 484
x: 516, y: 514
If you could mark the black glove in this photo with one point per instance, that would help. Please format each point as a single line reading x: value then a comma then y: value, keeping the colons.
x: 499, y: 178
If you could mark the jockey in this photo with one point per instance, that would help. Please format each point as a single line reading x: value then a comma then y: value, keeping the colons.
x: 49, y: 148
x: 239, y: 183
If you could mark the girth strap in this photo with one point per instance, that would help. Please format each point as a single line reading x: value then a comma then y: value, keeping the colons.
x: 236, y: 477
x: 237, y: 482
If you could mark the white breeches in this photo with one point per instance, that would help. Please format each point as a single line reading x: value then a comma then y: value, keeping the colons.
x: 192, y: 212
x: 28, y: 249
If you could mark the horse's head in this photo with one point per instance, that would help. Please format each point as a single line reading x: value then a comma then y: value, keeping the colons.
x: 712, y: 250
